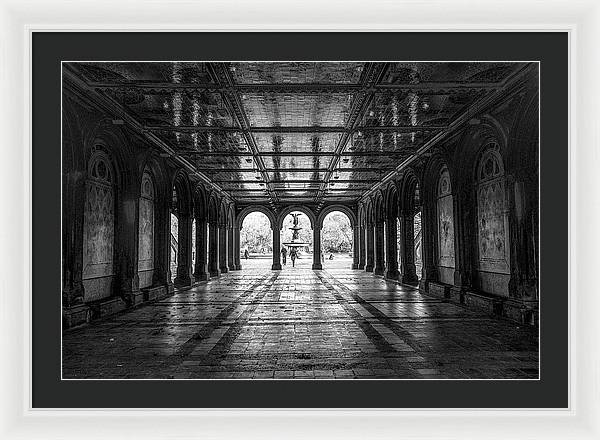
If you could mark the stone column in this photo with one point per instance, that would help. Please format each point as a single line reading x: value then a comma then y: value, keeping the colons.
x: 223, y: 266
x: 231, y: 249
x: 361, y: 247
x: 317, y: 264
x: 213, y: 249
x: 465, y: 224
x: 126, y: 243
x: 276, y: 249
x: 392, y: 251
x: 236, y: 248
x: 72, y: 225
x: 429, y: 230
x: 162, y: 254
x: 379, y: 249
x: 200, y: 271
x: 370, y: 247
x: 184, y: 253
x: 356, y: 247
x: 409, y: 271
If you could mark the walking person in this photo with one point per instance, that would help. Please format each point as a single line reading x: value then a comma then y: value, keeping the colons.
x: 246, y: 254
x: 284, y: 255
x: 293, y: 256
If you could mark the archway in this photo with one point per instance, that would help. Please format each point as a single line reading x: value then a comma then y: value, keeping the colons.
x: 256, y: 241
x: 297, y: 241
x: 337, y: 240
x: 174, y: 245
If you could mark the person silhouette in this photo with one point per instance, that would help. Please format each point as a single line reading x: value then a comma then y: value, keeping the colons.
x: 293, y: 256
x: 284, y: 255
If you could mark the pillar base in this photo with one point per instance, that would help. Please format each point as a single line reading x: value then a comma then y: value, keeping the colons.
x: 317, y: 266
x: 379, y: 270
x: 276, y: 266
x: 224, y: 269
x: 184, y: 281
x: 368, y: 268
x: 238, y: 267
x: 410, y: 279
x: 133, y: 298
x: 201, y: 276
x: 392, y: 274
x: 215, y: 273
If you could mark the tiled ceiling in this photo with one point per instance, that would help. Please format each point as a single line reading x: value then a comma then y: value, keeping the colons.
x: 301, y: 132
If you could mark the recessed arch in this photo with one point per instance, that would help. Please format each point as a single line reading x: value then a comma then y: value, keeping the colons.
x: 342, y: 208
x: 258, y: 208
x: 180, y: 185
x: 289, y: 209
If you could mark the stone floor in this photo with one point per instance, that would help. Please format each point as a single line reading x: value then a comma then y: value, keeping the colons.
x: 332, y: 324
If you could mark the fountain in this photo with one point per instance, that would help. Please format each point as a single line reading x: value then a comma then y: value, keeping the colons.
x: 295, y: 243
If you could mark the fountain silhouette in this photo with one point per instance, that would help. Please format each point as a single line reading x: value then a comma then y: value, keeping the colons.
x: 295, y: 242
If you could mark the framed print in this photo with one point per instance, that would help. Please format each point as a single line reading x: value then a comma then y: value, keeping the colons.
x: 244, y: 230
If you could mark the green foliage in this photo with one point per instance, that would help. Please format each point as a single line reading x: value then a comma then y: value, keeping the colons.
x: 256, y: 234
x: 336, y: 235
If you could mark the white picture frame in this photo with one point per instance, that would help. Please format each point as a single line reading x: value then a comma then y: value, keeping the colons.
x: 19, y: 19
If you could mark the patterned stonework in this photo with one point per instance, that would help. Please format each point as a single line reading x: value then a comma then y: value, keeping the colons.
x: 98, y: 230
x: 146, y: 231
x: 446, y: 231
x: 446, y: 221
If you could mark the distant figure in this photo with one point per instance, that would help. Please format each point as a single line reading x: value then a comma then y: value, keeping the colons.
x: 246, y: 254
x: 322, y: 256
x: 284, y: 255
x: 293, y: 256
x: 331, y: 256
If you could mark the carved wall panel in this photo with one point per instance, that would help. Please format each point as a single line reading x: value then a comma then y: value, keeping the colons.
x: 146, y: 232
x: 492, y: 216
x: 445, y: 211
x: 98, y: 229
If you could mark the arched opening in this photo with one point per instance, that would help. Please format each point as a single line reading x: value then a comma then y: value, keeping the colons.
x: 256, y: 241
x: 146, y: 231
x: 412, y: 231
x: 337, y: 241
x: 297, y: 241
x: 99, y: 228
x: 445, y: 228
x: 418, y: 243
x: 194, y: 255
x: 493, y: 263
x: 174, y: 243
x: 399, y: 241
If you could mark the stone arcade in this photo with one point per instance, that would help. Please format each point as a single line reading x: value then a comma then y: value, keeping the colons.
x: 435, y: 165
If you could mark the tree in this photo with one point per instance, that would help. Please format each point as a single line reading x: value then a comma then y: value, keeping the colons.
x: 336, y: 235
x: 256, y: 234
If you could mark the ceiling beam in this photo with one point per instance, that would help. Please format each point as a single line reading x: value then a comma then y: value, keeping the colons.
x: 402, y: 152
x: 371, y: 76
x: 511, y: 82
x: 292, y: 129
x: 106, y: 104
x: 433, y: 87
x: 222, y: 76
x: 296, y: 170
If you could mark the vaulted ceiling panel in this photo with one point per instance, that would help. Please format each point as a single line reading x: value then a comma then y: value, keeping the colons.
x: 297, y: 142
x: 297, y: 109
x: 300, y: 132
x: 296, y: 73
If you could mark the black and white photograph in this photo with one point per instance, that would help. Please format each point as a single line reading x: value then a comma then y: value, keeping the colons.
x: 302, y: 220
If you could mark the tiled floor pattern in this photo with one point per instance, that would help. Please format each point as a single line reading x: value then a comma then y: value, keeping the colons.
x: 299, y: 323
